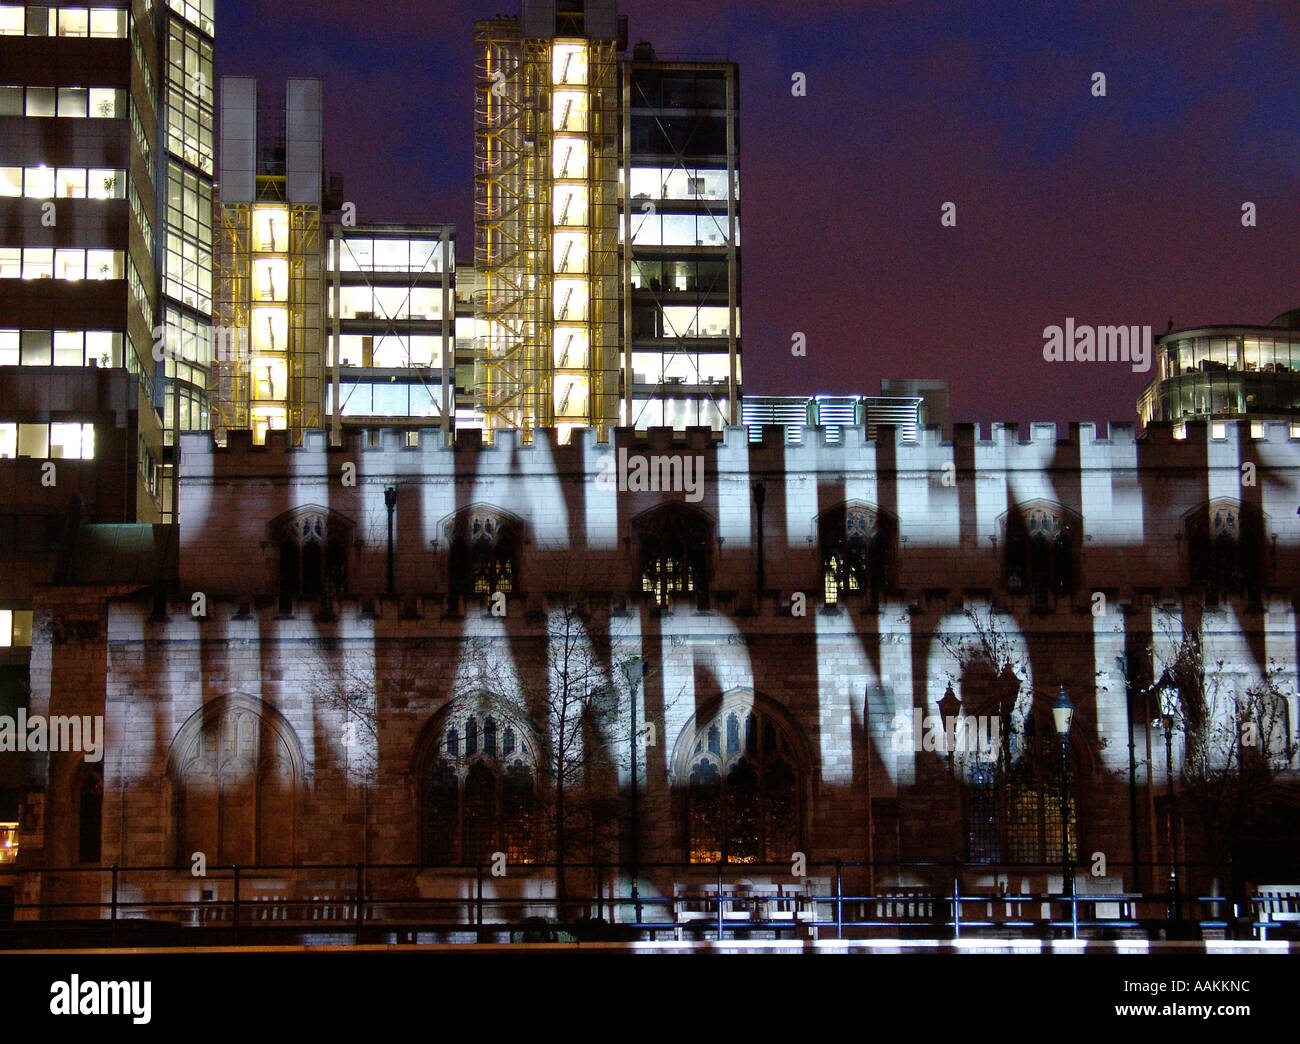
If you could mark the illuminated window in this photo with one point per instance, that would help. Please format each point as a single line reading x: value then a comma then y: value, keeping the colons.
x: 8, y: 842
x: 674, y: 554
x: 478, y: 796
x: 485, y: 549
x: 742, y: 775
x: 72, y: 264
x: 855, y: 543
x: 1014, y: 812
x: 108, y: 22
x: 58, y: 441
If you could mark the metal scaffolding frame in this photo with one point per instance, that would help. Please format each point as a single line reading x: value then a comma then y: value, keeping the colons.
x: 229, y: 377
x: 726, y: 405
x: 306, y: 321
x: 537, y: 303
x: 234, y: 388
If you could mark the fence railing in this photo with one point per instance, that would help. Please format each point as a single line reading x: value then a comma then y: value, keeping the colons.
x: 601, y: 901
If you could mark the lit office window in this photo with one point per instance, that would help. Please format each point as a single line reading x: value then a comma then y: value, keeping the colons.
x: 15, y: 628
x: 39, y: 182
x: 70, y: 263
x: 102, y: 348
x: 59, y: 441
x: 70, y: 102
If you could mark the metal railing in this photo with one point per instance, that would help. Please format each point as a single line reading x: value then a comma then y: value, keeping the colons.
x: 854, y: 899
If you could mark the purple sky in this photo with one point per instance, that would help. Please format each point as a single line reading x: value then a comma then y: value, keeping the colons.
x: 1117, y: 210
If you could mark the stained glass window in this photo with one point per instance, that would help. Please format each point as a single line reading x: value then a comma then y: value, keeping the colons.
x: 743, y: 806
x: 1040, y: 551
x: 478, y: 795
x: 855, y: 552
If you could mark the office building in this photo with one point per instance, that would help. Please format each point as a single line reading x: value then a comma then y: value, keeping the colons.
x: 1220, y: 373
x: 392, y: 311
x: 607, y: 228
x: 270, y: 327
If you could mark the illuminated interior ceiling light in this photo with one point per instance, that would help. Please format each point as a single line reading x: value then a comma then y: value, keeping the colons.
x: 569, y: 63
x: 572, y: 347
x: 572, y: 297
x: 569, y: 112
x: 569, y: 158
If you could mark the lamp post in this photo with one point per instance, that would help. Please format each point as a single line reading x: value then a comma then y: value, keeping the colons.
x: 390, y: 502
x: 950, y: 715
x: 633, y: 672
x: 1168, y: 718
x: 1062, y: 718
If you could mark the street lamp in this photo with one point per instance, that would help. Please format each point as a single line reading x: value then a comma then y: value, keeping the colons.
x: 1168, y: 719
x: 633, y: 672
x: 950, y: 715
x: 1062, y: 718
x: 390, y: 502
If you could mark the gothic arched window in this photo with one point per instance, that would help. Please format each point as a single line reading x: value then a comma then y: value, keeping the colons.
x: 485, y: 548
x: 1040, y: 547
x: 478, y: 796
x: 673, y: 554
x: 1014, y: 810
x: 741, y: 777
x: 236, y: 766
x: 1225, y: 542
x: 856, y: 550
x: 313, y: 555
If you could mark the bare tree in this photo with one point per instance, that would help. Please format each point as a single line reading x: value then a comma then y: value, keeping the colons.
x: 1236, y: 741
x: 354, y: 681
x: 574, y: 710
x: 993, y: 671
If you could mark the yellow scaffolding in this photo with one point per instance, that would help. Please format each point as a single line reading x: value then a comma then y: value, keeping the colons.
x: 268, y: 371
x: 546, y: 219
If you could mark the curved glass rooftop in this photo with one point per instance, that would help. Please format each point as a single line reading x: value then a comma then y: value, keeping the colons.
x: 1222, y: 372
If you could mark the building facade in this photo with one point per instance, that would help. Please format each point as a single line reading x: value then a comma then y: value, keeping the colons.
x: 1224, y: 372
x: 106, y: 165
x: 392, y: 313
x: 607, y: 228
x: 340, y: 696
x: 271, y: 315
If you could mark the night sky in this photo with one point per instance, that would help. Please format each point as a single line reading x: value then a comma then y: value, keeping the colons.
x: 1117, y: 210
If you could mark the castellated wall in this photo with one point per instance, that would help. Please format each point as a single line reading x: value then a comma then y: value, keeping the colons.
x: 842, y: 679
